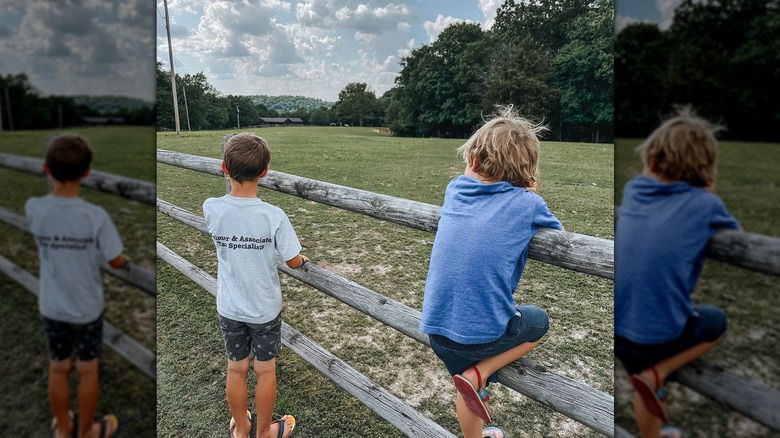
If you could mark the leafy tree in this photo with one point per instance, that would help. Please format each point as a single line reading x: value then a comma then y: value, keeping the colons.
x: 320, y: 117
x: 356, y: 104
x: 583, y: 72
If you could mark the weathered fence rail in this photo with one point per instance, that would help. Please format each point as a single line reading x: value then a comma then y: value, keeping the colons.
x: 576, y: 400
x: 127, y: 347
x: 378, y: 399
x: 129, y: 188
x: 132, y: 273
x: 577, y: 252
x: 144, y: 279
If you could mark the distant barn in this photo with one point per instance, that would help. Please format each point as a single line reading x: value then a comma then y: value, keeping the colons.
x: 95, y: 121
x: 283, y: 121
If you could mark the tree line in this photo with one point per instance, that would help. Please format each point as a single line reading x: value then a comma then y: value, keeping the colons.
x: 721, y: 57
x: 23, y: 107
x: 551, y: 59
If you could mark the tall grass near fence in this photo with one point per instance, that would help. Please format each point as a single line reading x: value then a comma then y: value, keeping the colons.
x: 125, y: 391
x: 749, y: 183
x: 388, y: 258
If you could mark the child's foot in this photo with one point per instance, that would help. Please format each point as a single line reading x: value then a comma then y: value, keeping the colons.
x: 283, y: 427
x: 105, y: 427
x: 671, y: 432
x: 234, y: 424
x: 469, y: 385
x: 648, y: 385
x: 63, y: 431
x: 493, y: 432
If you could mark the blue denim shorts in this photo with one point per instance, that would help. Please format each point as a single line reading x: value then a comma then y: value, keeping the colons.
x: 707, y: 324
x: 529, y: 325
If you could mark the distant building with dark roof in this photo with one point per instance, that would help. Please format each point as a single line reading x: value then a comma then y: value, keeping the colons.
x: 275, y: 121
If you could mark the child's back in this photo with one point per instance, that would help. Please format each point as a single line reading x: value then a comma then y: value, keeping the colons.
x: 247, y: 233
x: 74, y: 238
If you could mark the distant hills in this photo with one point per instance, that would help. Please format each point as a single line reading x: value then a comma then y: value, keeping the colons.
x: 111, y: 104
x: 290, y: 103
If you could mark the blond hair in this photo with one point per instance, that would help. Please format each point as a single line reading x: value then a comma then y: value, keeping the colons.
x: 683, y: 148
x: 68, y: 156
x: 506, y: 148
x: 246, y: 156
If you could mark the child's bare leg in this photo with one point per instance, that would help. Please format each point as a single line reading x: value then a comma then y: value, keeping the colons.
x: 674, y: 363
x: 59, y: 395
x: 649, y: 425
x: 237, y: 395
x: 87, y: 397
x: 265, y: 396
x: 470, y: 423
x: 489, y: 366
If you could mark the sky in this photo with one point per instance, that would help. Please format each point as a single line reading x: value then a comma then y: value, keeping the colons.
x: 660, y: 12
x: 74, y: 47
x: 311, y: 48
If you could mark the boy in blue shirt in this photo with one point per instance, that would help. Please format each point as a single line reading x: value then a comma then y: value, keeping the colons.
x: 248, y: 235
x: 667, y: 215
x: 489, y: 216
x: 74, y: 238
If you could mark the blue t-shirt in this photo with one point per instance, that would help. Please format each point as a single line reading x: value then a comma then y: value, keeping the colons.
x: 661, y: 234
x: 478, y: 256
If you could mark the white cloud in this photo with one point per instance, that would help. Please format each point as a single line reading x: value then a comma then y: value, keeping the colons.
x: 489, y: 8
x: 434, y: 28
x: 364, y: 38
x: 623, y: 21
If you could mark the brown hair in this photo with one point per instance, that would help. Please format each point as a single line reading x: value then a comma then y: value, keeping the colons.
x: 246, y: 156
x: 683, y: 148
x: 506, y: 148
x: 68, y: 156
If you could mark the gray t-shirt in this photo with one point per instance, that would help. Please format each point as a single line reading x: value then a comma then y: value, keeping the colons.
x: 248, y: 234
x: 74, y: 239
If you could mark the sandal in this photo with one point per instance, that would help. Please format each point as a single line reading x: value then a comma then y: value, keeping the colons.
x: 671, y: 432
x: 104, y: 422
x: 233, y: 423
x: 72, y: 422
x: 475, y: 398
x: 280, y: 433
x: 493, y: 432
x: 653, y: 398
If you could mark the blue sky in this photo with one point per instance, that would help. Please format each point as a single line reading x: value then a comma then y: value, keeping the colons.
x: 311, y: 48
x: 68, y: 47
x: 660, y: 12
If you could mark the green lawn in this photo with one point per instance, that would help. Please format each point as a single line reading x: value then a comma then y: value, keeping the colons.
x: 749, y: 184
x: 576, y: 181
x: 125, y: 391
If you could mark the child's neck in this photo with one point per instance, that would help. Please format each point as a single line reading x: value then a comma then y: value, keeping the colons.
x: 67, y: 189
x: 246, y: 189
x: 476, y: 175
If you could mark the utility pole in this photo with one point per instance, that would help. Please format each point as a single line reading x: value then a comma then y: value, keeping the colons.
x: 186, y: 109
x: 8, y: 107
x: 173, y: 74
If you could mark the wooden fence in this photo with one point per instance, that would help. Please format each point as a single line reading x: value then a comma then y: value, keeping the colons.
x: 143, y: 279
x: 755, y: 400
x: 581, y: 253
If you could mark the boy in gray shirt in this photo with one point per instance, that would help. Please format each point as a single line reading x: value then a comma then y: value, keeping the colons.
x: 249, y: 234
x: 74, y: 238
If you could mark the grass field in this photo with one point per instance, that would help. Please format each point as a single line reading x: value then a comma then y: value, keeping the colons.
x: 124, y: 391
x: 749, y: 184
x: 576, y: 181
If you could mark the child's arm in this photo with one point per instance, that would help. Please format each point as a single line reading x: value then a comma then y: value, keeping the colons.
x: 297, y: 261
x: 119, y: 261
